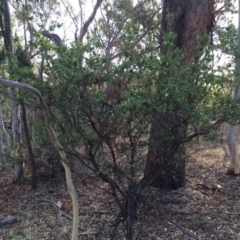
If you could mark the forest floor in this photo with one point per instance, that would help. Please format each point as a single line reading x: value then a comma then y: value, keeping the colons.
x: 207, y: 208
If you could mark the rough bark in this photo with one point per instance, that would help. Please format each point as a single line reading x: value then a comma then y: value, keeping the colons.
x: 165, y: 166
x: 53, y: 37
x: 189, y: 19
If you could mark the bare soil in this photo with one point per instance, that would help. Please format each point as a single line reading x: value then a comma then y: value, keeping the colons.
x: 207, y: 208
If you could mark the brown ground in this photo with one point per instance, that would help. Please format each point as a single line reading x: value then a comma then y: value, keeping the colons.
x: 207, y: 208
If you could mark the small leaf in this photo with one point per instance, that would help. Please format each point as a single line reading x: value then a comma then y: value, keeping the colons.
x: 59, y: 204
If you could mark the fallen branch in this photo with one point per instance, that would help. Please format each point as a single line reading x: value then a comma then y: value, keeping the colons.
x: 8, y: 221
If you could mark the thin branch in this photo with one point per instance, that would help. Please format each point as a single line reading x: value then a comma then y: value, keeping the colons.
x: 7, y: 221
x: 53, y: 37
x: 70, y: 14
x: 222, y: 9
x: 184, y: 230
x: 120, y: 54
x: 90, y: 19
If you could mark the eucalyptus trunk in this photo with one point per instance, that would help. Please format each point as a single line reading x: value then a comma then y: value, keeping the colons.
x: 165, y: 166
x: 2, y: 156
x: 234, y: 166
x: 5, y: 25
x: 16, y: 133
x: 29, y: 146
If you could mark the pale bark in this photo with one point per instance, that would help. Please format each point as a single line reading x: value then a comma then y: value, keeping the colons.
x: 2, y: 156
x: 222, y: 131
x: 29, y: 146
x: 234, y: 157
x: 4, y: 132
x: 16, y: 133
x: 234, y: 166
x: 5, y: 25
x: 58, y: 147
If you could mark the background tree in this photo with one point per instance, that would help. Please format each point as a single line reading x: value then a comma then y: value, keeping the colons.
x: 5, y: 24
x: 234, y: 167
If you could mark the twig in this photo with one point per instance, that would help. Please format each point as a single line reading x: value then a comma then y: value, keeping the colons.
x: 8, y: 221
x: 60, y: 212
x: 184, y: 230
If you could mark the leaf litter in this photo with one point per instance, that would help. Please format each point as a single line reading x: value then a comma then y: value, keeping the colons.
x: 207, y: 208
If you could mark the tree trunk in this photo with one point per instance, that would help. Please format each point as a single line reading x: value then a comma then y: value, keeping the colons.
x: 4, y: 133
x: 234, y: 166
x: 16, y: 132
x: 29, y: 146
x: 165, y: 166
x: 2, y: 156
x: 5, y: 25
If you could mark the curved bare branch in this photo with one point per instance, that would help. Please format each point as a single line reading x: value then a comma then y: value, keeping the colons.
x: 90, y: 19
x: 57, y: 145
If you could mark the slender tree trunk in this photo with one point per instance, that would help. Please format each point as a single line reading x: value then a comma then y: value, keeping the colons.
x: 234, y: 156
x: 4, y: 133
x: 5, y: 25
x: 2, y: 156
x: 165, y: 166
x: 234, y: 166
x: 29, y: 146
x: 16, y: 132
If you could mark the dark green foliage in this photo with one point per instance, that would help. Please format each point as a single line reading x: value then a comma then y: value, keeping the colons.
x: 22, y: 58
x: 102, y: 108
x: 91, y: 110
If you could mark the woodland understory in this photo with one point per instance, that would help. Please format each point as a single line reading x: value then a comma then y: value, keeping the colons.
x: 110, y: 130
x: 207, y: 208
